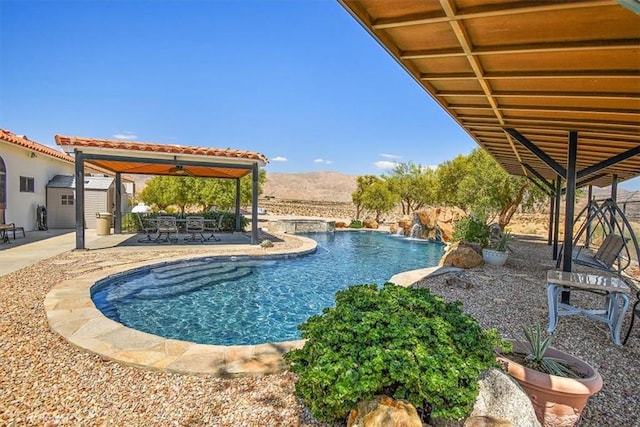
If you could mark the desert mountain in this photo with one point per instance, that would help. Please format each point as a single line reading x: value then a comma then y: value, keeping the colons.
x: 316, y: 186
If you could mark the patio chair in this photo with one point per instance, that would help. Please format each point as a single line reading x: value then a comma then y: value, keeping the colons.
x: 194, y: 226
x: 606, y: 255
x: 213, y: 227
x: 167, y: 226
x: 148, y: 227
x: 11, y: 227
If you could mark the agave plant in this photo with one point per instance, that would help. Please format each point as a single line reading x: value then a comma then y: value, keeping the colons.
x: 537, y: 360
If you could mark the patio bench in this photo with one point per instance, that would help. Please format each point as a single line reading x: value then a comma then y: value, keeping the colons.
x: 6, y: 228
x: 614, y: 290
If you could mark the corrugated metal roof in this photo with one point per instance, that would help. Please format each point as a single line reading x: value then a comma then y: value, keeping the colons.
x: 90, y: 182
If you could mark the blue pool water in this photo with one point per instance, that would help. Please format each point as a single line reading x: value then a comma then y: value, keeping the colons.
x: 242, y: 300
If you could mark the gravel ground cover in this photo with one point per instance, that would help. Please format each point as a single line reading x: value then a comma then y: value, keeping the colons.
x: 46, y: 381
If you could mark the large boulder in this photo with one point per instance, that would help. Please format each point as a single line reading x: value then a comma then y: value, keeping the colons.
x: 370, y: 223
x: 406, y: 222
x: 500, y: 403
x: 383, y: 411
x: 439, y: 223
x: 462, y: 255
x: 502, y: 400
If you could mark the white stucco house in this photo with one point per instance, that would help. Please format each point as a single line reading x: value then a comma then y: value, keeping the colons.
x: 26, y: 169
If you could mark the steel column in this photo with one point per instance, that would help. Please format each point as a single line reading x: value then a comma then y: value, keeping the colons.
x: 238, y: 224
x: 254, y: 206
x: 556, y: 227
x: 117, y: 224
x: 570, y: 201
x: 614, y: 196
x: 552, y: 199
x: 79, y: 178
x: 587, y: 240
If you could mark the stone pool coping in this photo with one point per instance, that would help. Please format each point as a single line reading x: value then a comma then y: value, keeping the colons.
x: 71, y: 313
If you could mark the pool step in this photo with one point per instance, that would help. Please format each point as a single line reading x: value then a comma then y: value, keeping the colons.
x: 149, y: 287
x: 188, y: 286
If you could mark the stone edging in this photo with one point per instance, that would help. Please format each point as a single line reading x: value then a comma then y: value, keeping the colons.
x: 72, y: 314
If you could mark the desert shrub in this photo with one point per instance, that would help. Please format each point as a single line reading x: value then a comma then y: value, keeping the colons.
x: 130, y: 223
x: 404, y: 343
x: 266, y: 243
x: 472, y: 229
x: 356, y: 223
x: 229, y: 220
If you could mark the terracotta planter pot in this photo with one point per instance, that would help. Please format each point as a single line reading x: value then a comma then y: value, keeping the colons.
x: 493, y: 257
x: 558, y: 401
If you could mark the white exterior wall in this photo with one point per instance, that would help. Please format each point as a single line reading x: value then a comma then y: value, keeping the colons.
x: 21, y: 207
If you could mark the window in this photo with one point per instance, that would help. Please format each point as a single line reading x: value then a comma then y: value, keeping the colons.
x: 27, y: 185
x: 67, y: 199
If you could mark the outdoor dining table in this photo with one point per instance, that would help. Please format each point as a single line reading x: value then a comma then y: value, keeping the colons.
x: 181, y: 224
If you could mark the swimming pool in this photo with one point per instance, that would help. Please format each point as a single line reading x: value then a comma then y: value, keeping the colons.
x: 243, y: 300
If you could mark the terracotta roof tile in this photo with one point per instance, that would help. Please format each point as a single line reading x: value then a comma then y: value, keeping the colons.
x: 25, y: 142
x: 63, y: 140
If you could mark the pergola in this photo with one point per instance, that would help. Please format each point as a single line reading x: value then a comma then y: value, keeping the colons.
x: 550, y: 89
x: 120, y: 157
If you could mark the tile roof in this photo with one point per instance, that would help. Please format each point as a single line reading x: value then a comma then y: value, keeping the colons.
x: 25, y: 142
x: 158, y: 148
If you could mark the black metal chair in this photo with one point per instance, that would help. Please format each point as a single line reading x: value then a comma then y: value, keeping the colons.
x: 194, y: 226
x: 167, y: 226
x: 213, y: 228
x: 148, y: 227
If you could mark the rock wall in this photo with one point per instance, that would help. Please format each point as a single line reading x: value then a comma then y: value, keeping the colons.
x: 340, y: 210
x: 437, y: 223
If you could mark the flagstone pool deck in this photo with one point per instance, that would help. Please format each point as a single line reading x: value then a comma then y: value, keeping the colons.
x: 71, y: 312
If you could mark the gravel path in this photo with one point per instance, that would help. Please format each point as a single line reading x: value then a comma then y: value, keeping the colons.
x: 45, y: 381
x: 508, y: 297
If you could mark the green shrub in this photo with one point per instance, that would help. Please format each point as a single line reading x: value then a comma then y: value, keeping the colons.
x: 229, y: 220
x: 472, y: 229
x: 130, y: 223
x: 405, y: 343
x: 356, y: 223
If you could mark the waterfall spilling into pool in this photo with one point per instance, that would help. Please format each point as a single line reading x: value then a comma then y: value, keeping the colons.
x: 416, y: 231
x: 243, y: 300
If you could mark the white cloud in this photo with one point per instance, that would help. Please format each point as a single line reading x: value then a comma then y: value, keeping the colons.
x: 279, y: 159
x: 391, y: 156
x: 327, y: 162
x: 384, y: 164
x: 126, y: 135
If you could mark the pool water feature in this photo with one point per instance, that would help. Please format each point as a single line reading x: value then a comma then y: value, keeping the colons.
x: 243, y: 300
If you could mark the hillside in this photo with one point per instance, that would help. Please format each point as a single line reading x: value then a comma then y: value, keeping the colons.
x: 312, y: 186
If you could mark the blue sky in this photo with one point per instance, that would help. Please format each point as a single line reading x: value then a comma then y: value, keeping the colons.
x: 299, y: 81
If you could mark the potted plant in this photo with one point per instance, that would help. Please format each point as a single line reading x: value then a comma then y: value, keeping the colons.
x: 498, y: 251
x: 558, y: 384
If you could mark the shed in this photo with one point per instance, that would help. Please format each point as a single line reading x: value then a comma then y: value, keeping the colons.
x: 61, y: 199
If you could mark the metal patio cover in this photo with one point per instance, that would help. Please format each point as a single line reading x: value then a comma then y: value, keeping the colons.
x: 512, y: 71
x: 131, y: 157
